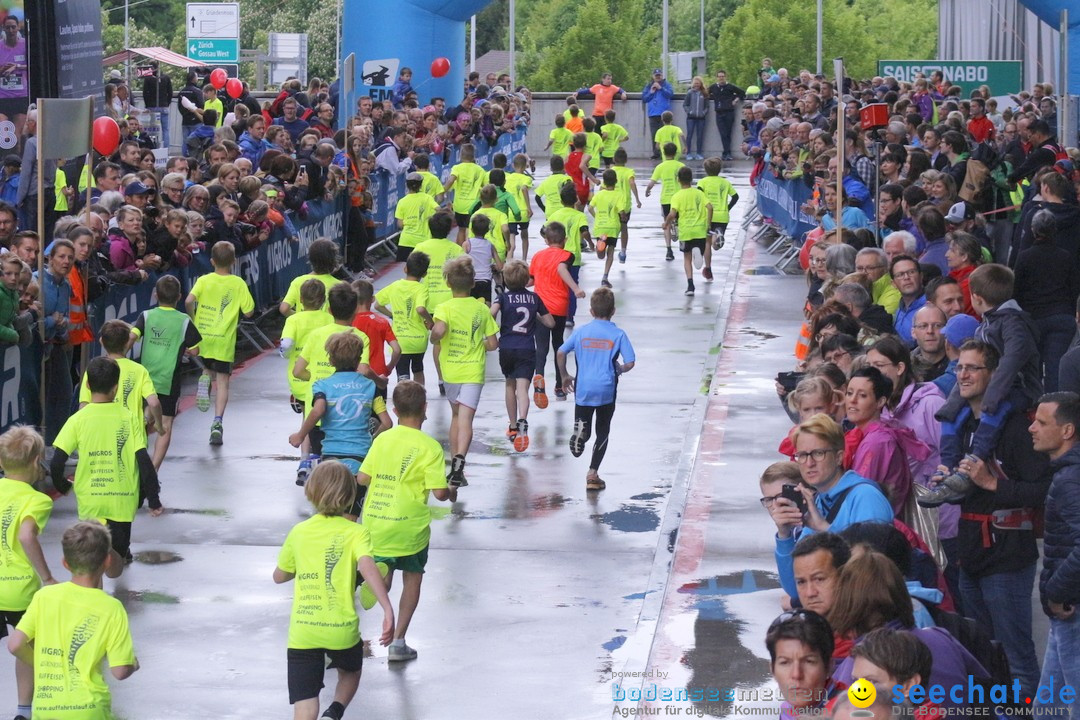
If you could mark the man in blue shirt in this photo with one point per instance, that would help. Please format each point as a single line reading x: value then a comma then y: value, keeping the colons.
x: 657, y: 98
x: 290, y: 120
x: 909, y: 283
x: 598, y: 348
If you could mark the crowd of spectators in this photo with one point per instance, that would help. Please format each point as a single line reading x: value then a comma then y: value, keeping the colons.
x: 934, y: 396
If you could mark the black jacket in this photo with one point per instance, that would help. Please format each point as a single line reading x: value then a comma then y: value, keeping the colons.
x: 195, y: 95
x: 877, y: 319
x: 157, y: 91
x: 724, y: 97
x: 1042, y: 156
x: 1060, y: 579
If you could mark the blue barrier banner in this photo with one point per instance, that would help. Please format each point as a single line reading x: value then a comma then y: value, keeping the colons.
x: 386, y: 189
x: 268, y: 270
x: 781, y: 201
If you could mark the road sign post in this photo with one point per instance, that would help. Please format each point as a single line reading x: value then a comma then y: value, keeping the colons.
x: 213, y: 32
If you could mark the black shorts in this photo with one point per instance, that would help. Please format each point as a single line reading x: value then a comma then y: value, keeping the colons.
x: 462, y: 220
x: 217, y: 366
x: 722, y: 227
x: 121, y: 537
x: 168, y: 404
x: 516, y: 364
x: 410, y: 364
x: 516, y: 228
x: 307, y: 667
x: 9, y: 617
x: 608, y: 161
x: 403, y: 253
x: 686, y: 246
x: 481, y: 290
x: 666, y: 209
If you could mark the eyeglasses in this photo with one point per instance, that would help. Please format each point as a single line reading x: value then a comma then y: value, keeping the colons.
x: 964, y: 369
x: 817, y: 261
x: 804, y: 457
x: 905, y: 274
x: 928, y: 326
x: 882, y: 365
x: 868, y: 268
x: 769, y: 500
x: 834, y: 356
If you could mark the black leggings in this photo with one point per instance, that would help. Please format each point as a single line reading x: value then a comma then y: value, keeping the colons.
x: 545, y: 340
x: 604, y: 413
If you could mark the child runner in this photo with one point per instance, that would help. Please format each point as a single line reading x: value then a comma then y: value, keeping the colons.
x: 550, y: 273
x: 614, y: 135
x: 669, y: 132
x: 518, y: 309
x: 439, y: 249
x: 26, y: 511
x: 626, y: 186
x: 323, y: 259
x: 404, y: 302
x: 547, y: 193
x: 722, y: 197
x: 167, y: 334
x: 466, y: 331
x: 598, y: 348
x: 293, y: 338
x: 431, y: 185
x: 593, y: 146
x: 71, y: 627
x: 412, y: 213
x: 216, y: 302
x: 345, y: 404
x: 466, y: 179
x: 694, y: 212
x: 506, y: 203
x: 577, y: 236
x: 378, y: 330
x: 499, y: 229
x: 114, y: 473
x: 323, y: 554
x: 574, y: 123
x: 559, y: 138
x: 606, y: 207
x: 519, y: 183
x: 577, y: 167
x: 405, y: 465
x: 484, y: 257
x: 667, y: 174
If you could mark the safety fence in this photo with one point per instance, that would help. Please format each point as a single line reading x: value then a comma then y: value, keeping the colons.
x: 781, y: 201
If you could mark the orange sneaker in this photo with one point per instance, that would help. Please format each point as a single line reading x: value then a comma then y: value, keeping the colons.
x: 540, y: 398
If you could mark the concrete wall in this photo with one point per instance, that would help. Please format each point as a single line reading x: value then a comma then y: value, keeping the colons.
x: 631, y: 115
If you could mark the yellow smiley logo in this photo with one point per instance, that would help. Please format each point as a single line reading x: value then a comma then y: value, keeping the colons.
x: 862, y: 693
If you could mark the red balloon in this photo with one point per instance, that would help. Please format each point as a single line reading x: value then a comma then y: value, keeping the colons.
x: 218, y: 78
x: 106, y: 135
x: 439, y: 67
x: 234, y: 88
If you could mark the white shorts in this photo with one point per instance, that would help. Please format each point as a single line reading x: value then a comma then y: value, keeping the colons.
x: 467, y: 394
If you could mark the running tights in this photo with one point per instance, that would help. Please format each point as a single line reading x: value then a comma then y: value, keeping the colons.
x: 604, y: 413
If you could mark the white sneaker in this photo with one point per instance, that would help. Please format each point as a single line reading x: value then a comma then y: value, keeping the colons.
x: 401, y: 653
x: 697, y: 258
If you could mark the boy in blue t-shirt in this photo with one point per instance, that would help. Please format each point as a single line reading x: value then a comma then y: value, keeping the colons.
x: 344, y: 402
x: 521, y: 308
x: 597, y: 349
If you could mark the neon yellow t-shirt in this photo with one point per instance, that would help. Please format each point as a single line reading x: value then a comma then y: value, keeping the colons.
x: 624, y: 178
x: 549, y: 190
x: 593, y: 143
x: 107, y: 476
x: 519, y: 185
x: 439, y: 250
x: 413, y: 211
x: 670, y: 134
x: 297, y: 327
x: 134, y: 387
x: 403, y: 297
x: 404, y: 465
x: 573, y: 220
x: 667, y: 174
x: 692, y: 206
x: 432, y: 185
x: 614, y: 135
x: 467, y: 187
x: 323, y: 552
x: 607, y: 204
x: 495, y: 233
x: 73, y: 628
x: 560, y: 141
x: 318, y: 360
x: 468, y: 322
x: 221, y: 299
x: 719, y: 191
x: 292, y: 295
x: 18, y: 579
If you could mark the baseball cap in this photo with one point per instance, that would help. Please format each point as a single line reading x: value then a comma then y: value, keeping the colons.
x: 137, y: 188
x: 12, y: 159
x: 960, y: 212
x: 657, y: 71
x: 115, y: 74
x: 774, y: 78
x: 959, y: 329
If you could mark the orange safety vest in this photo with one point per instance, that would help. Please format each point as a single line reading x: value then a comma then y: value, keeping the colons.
x: 79, y: 331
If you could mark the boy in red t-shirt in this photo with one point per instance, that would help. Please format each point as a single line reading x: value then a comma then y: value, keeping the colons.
x: 378, y: 330
x: 577, y: 167
x: 550, y: 276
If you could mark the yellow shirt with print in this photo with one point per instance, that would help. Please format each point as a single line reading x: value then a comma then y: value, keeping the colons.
x: 438, y: 250
x: 318, y: 360
x: 614, y: 135
x: 670, y: 134
x: 573, y: 220
x: 519, y: 185
x: 593, y: 145
x: 405, y: 465
x: 432, y: 185
x: 134, y: 388
x: 607, y: 205
x: 624, y: 178
x: 667, y: 174
x: 560, y: 141
x: 292, y: 295
x: 549, y: 190
x: 467, y: 186
x: 18, y: 579
x: 403, y: 297
x: 413, y: 211
x: 693, y: 209
x: 495, y: 234
x: 719, y: 191
x: 463, y: 355
x: 221, y: 298
x: 297, y: 328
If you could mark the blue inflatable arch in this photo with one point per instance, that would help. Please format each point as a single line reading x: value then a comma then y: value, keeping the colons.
x: 1049, y: 11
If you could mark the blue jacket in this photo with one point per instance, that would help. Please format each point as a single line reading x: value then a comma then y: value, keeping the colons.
x: 253, y: 149
x: 398, y: 91
x: 904, y: 318
x: 659, y: 101
x: 1060, y: 579
x: 55, y: 297
x: 866, y: 503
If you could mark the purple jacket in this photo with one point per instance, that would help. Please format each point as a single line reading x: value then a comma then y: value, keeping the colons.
x: 121, y: 251
x: 882, y: 456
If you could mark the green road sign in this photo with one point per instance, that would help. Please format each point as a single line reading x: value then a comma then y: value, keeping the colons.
x: 1003, y: 76
x: 214, y: 51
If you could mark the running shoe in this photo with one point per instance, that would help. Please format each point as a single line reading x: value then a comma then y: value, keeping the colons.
x: 670, y: 255
x: 305, y: 468
x: 512, y: 432
x: 622, y: 257
x: 401, y: 653
x: 706, y: 272
x: 569, y: 323
x: 336, y: 711
x: 689, y: 289
x: 718, y: 241
x: 560, y: 394
x: 578, y: 439
x: 521, y: 437
x: 374, y: 423
x: 367, y: 597
x: 216, y: 432
x: 202, y: 395
x: 696, y: 257
x: 540, y: 398
x: 605, y: 283
x: 593, y: 483
x: 456, y: 478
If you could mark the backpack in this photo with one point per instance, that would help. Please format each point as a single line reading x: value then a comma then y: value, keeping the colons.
x: 989, y: 652
x: 977, y: 188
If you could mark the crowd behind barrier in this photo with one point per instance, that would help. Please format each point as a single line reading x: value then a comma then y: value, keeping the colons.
x: 781, y: 202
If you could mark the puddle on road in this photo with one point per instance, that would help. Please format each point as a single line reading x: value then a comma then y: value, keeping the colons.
x: 614, y: 643
x: 145, y: 596
x: 194, y: 511
x: 157, y: 557
x: 763, y: 270
x: 630, y: 519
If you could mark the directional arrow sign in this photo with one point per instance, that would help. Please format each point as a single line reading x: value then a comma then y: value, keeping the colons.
x: 214, y: 52
x: 213, y: 20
